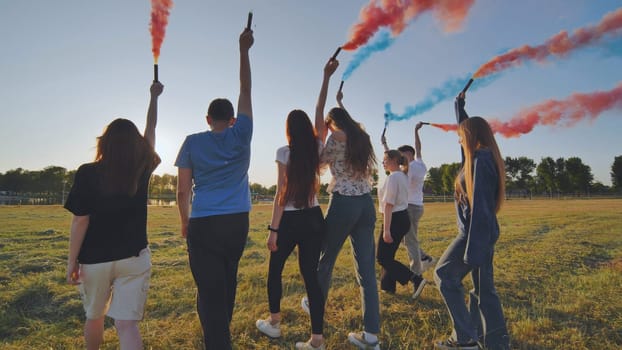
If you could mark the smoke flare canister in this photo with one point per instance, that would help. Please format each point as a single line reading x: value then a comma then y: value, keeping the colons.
x: 341, y: 86
x: 467, y: 86
x: 336, y: 53
x: 155, y: 72
x: 250, y: 20
x: 425, y: 123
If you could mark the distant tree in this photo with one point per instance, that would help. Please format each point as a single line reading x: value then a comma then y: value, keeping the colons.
x: 258, y: 189
x: 579, y: 175
x: 519, y: 174
x: 546, y: 173
x: 16, y: 180
x: 598, y: 188
x: 449, y: 173
x: 616, y: 173
x: 434, y: 181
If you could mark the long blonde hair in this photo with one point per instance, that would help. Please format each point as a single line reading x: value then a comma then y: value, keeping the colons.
x: 476, y: 134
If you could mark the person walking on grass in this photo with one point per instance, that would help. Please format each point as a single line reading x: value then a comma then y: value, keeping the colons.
x: 297, y: 220
x: 109, y: 256
x: 419, y: 260
x: 393, y: 204
x: 479, y: 193
x: 350, y: 156
x: 213, y: 166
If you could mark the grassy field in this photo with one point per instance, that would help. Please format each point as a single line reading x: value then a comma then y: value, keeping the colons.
x: 558, y: 272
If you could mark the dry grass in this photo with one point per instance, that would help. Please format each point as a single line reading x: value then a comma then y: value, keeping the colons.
x: 558, y: 272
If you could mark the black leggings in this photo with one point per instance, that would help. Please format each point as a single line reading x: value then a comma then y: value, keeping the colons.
x: 393, y: 270
x: 304, y: 228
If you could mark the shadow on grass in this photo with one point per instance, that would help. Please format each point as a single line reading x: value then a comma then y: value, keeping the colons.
x: 35, y: 302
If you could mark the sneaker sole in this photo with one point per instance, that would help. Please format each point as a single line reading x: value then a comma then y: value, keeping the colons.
x: 360, y: 345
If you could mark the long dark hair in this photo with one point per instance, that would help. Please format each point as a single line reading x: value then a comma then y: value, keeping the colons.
x: 360, y: 155
x: 303, y: 168
x: 123, y: 156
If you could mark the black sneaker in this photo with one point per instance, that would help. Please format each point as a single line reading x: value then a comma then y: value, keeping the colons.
x: 418, y: 284
x: 450, y: 344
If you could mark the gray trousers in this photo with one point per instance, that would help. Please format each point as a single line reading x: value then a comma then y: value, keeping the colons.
x: 415, y: 212
x: 353, y: 216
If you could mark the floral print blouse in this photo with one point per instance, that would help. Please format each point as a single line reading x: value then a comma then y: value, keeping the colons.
x: 344, y: 181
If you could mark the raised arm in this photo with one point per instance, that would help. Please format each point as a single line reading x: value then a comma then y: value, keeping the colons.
x: 461, y: 115
x: 244, y: 100
x: 340, y: 99
x: 383, y: 140
x: 418, y: 141
x: 320, y: 125
x: 152, y: 112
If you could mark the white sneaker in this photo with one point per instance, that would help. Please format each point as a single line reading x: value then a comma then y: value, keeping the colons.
x: 307, y: 346
x: 304, y: 303
x: 359, y: 340
x: 269, y: 329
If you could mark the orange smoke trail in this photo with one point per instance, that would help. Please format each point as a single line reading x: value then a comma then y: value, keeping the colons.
x: 397, y: 13
x: 564, y: 113
x: 157, y: 27
x: 559, y: 45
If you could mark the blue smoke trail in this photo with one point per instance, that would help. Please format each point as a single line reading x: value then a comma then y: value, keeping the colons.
x: 450, y: 89
x: 381, y: 42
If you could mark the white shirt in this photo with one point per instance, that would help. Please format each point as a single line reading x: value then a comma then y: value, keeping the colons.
x: 282, y: 156
x: 416, y: 177
x: 394, y: 191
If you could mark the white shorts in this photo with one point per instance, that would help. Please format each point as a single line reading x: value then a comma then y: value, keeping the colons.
x: 116, y: 288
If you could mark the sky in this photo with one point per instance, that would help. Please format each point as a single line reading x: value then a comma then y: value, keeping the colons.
x: 70, y: 67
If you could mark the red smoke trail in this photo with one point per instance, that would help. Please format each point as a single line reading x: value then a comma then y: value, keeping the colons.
x: 445, y: 127
x: 559, y: 45
x: 564, y: 113
x: 397, y: 13
x: 159, y: 20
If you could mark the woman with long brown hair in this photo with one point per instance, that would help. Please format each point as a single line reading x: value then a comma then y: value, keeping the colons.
x: 108, y: 250
x: 479, y: 193
x: 297, y: 220
x: 351, y: 213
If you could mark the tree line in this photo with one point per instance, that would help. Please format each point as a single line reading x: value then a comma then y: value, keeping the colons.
x: 524, y: 178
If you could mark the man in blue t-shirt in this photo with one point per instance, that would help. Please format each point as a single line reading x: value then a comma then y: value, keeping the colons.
x: 213, y: 166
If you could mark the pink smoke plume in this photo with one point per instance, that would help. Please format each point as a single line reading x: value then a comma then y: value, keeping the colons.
x: 563, y: 113
x: 558, y: 45
x: 159, y: 19
x: 397, y: 13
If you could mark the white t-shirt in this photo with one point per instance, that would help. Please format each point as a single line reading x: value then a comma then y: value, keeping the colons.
x: 282, y: 156
x: 394, y: 191
x: 416, y: 177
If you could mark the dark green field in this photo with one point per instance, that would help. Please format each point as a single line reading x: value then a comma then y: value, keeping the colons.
x: 558, y: 272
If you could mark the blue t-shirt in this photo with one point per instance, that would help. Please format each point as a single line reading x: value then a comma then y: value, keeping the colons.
x: 219, y: 163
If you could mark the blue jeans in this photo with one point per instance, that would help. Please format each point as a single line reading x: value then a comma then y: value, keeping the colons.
x: 353, y: 216
x: 483, y: 320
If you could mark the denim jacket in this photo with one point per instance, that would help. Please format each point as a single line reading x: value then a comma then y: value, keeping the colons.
x: 478, y: 223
